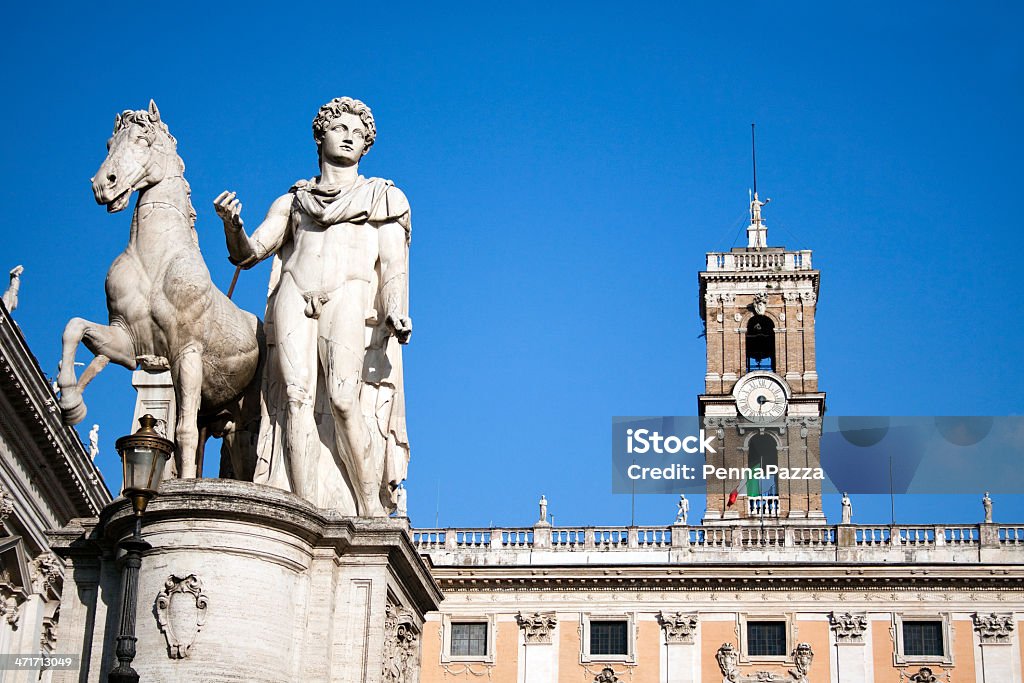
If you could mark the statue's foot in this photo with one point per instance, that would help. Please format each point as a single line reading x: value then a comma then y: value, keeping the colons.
x: 371, y: 502
x: 72, y: 406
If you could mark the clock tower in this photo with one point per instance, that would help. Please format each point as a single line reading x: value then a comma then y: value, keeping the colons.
x: 761, y: 396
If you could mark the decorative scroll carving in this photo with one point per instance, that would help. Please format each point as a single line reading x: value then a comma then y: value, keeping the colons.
x: 678, y: 627
x: 607, y: 675
x: 181, y: 627
x: 993, y: 628
x: 537, y: 628
x: 849, y: 628
x: 401, y: 645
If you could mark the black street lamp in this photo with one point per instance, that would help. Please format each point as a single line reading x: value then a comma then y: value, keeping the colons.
x: 143, y: 456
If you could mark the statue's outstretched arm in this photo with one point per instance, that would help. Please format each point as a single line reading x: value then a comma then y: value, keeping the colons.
x: 247, y: 251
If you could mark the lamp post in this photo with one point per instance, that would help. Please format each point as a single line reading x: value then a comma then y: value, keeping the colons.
x: 143, y: 456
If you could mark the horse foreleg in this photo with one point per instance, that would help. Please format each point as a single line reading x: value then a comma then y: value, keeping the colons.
x: 187, y: 373
x: 107, y: 342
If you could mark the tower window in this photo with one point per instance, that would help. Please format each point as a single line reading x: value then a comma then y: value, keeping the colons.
x: 763, y: 451
x: 760, y: 344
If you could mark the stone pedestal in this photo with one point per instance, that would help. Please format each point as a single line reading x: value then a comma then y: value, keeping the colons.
x: 247, y: 582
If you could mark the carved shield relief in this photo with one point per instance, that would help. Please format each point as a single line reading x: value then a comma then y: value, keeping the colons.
x: 181, y: 613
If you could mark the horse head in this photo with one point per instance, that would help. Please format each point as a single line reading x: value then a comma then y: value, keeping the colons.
x: 140, y: 154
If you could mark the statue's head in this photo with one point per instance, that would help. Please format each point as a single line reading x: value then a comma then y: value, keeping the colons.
x: 140, y: 153
x: 337, y: 107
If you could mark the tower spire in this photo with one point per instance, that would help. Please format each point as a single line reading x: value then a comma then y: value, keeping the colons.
x: 757, y: 231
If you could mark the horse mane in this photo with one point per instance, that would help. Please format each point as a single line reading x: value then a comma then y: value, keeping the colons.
x: 142, y: 118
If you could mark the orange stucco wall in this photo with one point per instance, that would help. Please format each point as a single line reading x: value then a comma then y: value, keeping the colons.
x: 714, y: 633
x: 503, y: 670
x: 962, y: 670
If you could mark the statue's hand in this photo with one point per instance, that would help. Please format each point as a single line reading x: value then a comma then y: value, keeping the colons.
x: 401, y: 327
x: 229, y: 209
x: 16, y: 271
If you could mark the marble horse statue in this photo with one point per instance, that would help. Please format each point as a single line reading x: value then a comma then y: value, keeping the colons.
x: 164, y: 310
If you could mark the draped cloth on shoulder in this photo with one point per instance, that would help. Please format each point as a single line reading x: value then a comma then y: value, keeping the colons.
x: 375, y: 201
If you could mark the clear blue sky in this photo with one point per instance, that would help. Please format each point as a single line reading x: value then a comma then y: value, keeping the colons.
x: 568, y: 166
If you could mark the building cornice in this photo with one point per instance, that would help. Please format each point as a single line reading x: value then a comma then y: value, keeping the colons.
x: 62, y: 466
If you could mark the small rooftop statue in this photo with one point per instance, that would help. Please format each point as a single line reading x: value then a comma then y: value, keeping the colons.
x: 684, y: 510
x: 11, y: 295
x: 986, y: 502
x: 94, y: 442
x: 847, y: 509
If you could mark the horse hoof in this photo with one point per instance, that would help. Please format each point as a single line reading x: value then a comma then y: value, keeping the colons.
x: 72, y: 408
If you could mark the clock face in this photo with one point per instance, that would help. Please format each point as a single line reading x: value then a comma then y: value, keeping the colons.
x: 761, y: 398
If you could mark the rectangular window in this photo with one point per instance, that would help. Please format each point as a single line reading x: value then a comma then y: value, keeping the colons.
x: 720, y: 260
x: 922, y: 638
x: 766, y: 638
x: 469, y: 639
x: 609, y: 638
x: 798, y: 260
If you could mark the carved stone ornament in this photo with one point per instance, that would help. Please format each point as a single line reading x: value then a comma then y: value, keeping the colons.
x: 760, y: 304
x: 728, y: 661
x: 803, y: 657
x: 993, y: 628
x: 849, y: 628
x: 401, y: 645
x: 924, y: 675
x: 45, y: 572
x: 607, y: 675
x: 6, y: 505
x: 678, y: 627
x: 537, y: 628
x: 181, y: 613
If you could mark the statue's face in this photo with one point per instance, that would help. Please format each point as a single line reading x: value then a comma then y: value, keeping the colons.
x: 344, y: 140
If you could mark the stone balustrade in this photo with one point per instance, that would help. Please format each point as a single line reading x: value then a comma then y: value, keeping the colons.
x: 545, y: 544
x: 767, y: 260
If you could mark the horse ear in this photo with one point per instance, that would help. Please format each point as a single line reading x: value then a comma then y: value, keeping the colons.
x: 154, y: 113
x: 117, y: 122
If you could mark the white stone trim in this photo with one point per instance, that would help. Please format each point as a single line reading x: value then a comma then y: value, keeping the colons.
x: 631, y: 636
x: 900, y: 659
x: 789, y: 618
x: 446, y: 637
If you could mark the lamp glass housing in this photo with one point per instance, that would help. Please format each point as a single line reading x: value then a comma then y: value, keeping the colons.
x: 143, y: 456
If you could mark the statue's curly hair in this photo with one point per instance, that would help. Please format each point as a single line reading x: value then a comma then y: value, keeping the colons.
x: 337, y: 107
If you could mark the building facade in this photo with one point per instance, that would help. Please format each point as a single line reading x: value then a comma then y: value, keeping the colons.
x: 763, y: 589
x: 47, y: 478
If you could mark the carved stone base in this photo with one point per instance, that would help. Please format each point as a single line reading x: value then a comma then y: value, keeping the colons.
x: 248, y: 582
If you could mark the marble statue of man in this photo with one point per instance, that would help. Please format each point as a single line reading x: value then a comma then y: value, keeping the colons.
x: 847, y: 509
x: 684, y: 510
x: 986, y: 503
x: 333, y: 424
x: 543, y: 504
x: 11, y: 295
x: 94, y: 442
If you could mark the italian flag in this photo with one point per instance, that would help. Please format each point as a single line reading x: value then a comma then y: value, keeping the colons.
x: 752, y: 486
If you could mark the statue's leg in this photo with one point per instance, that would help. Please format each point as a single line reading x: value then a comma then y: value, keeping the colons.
x: 296, y: 356
x: 105, y: 342
x: 342, y: 347
x: 187, y: 376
